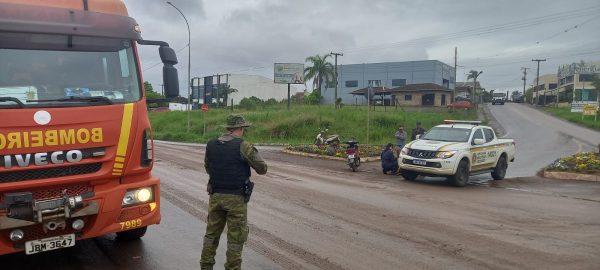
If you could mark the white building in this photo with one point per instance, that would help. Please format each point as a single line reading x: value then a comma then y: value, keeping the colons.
x: 248, y: 86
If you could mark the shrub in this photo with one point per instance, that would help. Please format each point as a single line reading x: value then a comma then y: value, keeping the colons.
x: 585, y: 162
x: 313, y: 98
x: 251, y: 103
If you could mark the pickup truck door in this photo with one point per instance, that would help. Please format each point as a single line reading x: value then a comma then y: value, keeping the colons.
x: 482, y: 156
x: 494, y: 148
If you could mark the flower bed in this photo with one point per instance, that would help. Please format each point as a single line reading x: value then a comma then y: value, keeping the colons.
x: 585, y: 162
x: 340, y: 151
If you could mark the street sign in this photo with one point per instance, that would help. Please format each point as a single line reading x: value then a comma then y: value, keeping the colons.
x: 577, y: 106
x: 589, y: 110
x: 292, y: 73
x: 204, y: 107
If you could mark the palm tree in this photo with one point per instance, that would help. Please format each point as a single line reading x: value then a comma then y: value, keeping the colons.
x: 321, y: 71
x: 223, y: 91
x: 473, y: 74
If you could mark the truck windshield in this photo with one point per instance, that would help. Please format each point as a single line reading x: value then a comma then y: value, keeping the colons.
x: 448, y: 134
x: 58, y: 71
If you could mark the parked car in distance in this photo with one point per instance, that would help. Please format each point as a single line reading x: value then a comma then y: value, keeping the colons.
x: 463, y: 104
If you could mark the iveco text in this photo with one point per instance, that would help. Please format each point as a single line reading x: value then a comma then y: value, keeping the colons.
x: 39, y: 159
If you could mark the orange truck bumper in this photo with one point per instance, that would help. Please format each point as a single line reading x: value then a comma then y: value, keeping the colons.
x: 111, y: 216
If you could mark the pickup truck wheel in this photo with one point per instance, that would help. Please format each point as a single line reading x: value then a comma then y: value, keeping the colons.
x: 461, y: 177
x: 409, y: 175
x: 500, y: 171
x: 132, y: 234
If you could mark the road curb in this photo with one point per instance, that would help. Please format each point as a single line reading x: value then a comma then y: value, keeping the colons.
x: 180, y: 143
x: 203, y: 144
x: 571, y: 176
x: 295, y: 153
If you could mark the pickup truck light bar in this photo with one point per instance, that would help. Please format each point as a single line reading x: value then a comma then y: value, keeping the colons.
x: 475, y: 123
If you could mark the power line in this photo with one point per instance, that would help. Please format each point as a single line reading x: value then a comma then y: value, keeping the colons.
x: 550, y: 18
x: 568, y: 29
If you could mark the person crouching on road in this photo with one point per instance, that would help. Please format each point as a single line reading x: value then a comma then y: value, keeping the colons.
x: 389, y: 161
x: 228, y: 161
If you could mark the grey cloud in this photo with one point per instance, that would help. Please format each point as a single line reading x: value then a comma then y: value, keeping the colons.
x: 251, y: 35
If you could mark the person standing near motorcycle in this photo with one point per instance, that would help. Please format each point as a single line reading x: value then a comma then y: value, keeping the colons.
x: 417, y: 131
x: 400, y: 137
x: 227, y: 161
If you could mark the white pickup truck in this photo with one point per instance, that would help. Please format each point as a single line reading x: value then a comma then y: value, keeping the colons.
x: 456, y: 150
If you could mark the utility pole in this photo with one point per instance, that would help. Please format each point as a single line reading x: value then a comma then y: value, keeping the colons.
x: 537, y: 80
x: 525, y: 79
x: 455, y: 65
x: 336, y: 78
x: 218, y: 84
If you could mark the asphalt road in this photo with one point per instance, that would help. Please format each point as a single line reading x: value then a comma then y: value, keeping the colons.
x: 540, y: 138
x: 317, y: 214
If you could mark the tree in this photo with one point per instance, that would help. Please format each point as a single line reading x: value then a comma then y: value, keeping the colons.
x: 473, y: 74
x: 321, y: 71
x: 148, y: 87
x: 223, y: 92
x: 152, y: 96
x: 529, y: 95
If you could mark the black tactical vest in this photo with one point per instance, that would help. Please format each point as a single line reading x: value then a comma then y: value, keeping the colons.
x: 228, y: 170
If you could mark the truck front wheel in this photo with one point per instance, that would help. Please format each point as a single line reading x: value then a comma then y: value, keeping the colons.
x: 409, y: 175
x: 461, y: 176
x: 132, y: 234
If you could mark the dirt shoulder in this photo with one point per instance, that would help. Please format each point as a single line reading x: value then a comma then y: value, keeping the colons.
x: 317, y: 214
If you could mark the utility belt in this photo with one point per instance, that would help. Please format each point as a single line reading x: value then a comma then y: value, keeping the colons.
x: 245, y: 191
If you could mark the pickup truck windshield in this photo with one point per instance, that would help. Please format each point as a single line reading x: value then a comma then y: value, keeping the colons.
x: 59, y: 71
x: 447, y: 134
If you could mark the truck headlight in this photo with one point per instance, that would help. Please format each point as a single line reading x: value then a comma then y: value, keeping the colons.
x: 137, y: 196
x: 445, y: 154
x: 405, y: 150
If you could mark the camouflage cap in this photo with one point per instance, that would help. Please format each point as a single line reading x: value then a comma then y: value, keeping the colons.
x: 236, y: 121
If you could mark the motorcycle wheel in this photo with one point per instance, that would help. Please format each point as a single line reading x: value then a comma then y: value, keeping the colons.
x: 353, y: 167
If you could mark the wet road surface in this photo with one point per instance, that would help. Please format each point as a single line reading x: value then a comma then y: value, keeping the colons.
x: 540, y: 138
x: 317, y: 214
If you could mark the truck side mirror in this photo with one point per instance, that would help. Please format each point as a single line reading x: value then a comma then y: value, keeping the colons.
x: 170, y: 77
x: 478, y: 141
x: 167, y: 55
x: 170, y: 81
x: 169, y: 58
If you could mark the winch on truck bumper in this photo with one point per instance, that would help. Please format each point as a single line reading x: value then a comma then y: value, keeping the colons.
x: 23, y: 210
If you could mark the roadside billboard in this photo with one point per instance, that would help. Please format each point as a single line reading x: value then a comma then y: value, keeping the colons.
x: 577, y: 106
x: 292, y: 73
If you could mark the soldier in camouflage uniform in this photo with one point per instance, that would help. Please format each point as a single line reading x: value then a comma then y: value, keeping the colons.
x: 228, y: 161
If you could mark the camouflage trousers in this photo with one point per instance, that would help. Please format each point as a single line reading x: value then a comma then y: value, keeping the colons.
x: 231, y: 210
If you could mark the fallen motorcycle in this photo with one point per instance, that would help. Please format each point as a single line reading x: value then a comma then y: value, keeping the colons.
x: 322, y: 138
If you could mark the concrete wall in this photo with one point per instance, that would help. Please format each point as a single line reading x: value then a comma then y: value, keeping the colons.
x: 177, y: 107
x: 417, y: 98
x: 428, y: 71
x: 258, y: 86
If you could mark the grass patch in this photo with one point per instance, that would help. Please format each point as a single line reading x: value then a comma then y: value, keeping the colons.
x: 300, y: 125
x: 565, y: 113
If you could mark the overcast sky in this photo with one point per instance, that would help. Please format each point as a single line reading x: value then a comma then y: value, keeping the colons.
x: 248, y: 36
